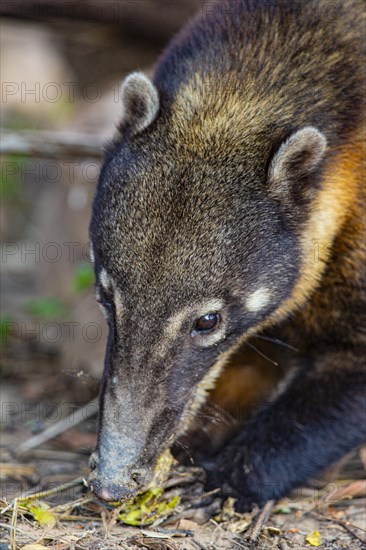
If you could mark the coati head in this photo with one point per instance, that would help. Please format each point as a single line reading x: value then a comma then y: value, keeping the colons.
x: 196, y: 238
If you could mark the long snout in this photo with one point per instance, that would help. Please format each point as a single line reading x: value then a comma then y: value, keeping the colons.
x: 117, y: 473
x: 136, y: 423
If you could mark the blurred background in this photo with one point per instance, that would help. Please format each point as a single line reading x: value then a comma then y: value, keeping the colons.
x: 61, y: 67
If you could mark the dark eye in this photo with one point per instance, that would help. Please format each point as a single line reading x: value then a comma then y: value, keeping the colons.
x: 105, y: 300
x: 206, y: 323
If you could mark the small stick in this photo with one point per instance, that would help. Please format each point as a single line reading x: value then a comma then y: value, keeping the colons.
x: 345, y: 524
x: 13, y: 533
x: 60, y: 508
x: 47, y: 493
x: 60, y: 427
x: 262, y: 518
x: 78, y: 518
x: 198, y: 544
x: 45, y: 144
x: 51, y: 454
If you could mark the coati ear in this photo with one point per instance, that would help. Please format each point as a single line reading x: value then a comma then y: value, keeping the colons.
x: 140, y: 101
x: 293, y: 169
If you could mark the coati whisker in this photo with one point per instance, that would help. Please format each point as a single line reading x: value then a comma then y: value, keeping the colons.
x: 261, y: 354
x: 275, y: 341
x: 186, y: 450
x: 221, y: 412
x: 213, y: 419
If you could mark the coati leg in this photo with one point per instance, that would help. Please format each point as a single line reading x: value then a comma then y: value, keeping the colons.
x: 315, y: 421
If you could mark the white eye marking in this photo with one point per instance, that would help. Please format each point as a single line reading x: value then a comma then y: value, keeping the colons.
x: 118, y: 302
x: 106, y: 284
x: 104, y: 311
x: 258, y: 299
x: 91, y: 253
x: 111, y: 289
x: 174, y: 325
x: 104, y: 280
x: 97, y: 294
x: 175, y: 321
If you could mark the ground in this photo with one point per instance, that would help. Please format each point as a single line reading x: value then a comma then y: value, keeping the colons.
x: 329, y: 513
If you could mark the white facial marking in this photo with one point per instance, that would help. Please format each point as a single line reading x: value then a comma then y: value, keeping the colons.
x: 103, y: 310
x: 110, y: 286
x: 258, y: 299
x: 175, y: 322
x: 106, y: 284
x: 118, y: 302
x: 91, y: 253
x: 104, y: 280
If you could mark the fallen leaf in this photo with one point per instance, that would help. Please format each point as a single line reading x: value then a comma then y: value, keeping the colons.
x: 237, y: 527
x: 188, y: 525
x: 314, y: 538
x: 354, y: 489
x: 147, y: 507
x: 273, y: 530
x: 40, y: 512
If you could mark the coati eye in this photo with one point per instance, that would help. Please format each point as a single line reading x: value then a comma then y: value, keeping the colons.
x: 105, y: 300
x: 206, y: 323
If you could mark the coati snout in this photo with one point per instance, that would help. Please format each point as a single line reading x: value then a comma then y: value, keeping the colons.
x: 210, y: 200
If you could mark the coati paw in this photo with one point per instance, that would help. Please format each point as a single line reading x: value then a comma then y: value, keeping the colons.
x: 238, y: 480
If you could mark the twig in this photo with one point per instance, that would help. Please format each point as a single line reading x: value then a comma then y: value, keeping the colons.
x: 225, y: 535
x: 345, y: 524
x: 60, y: 427
x: 42, y: 494
x: 55, y: 145
x: 78, y: 518
x: 261, y: 520
x: 51, y: 454
x: 13, y: 533
x: 63, y: 508
x: 198, y: 544
x: 11, y: 528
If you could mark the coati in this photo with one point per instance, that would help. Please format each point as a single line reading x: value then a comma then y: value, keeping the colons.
x: 230, y: 206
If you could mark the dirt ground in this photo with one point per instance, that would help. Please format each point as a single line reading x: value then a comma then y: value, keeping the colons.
x: 329, y: 513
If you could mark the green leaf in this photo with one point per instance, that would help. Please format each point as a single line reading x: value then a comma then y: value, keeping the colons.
x: 147, y: 508
x: 150, y: 505
x: 40, y: 512
x: 84, y: 277
x: 282, y: 510
x: 46, y: 308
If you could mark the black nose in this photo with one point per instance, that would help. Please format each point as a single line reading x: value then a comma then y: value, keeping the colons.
x: 113, y: 492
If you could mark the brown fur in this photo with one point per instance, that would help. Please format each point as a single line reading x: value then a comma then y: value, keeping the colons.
x: 238, y: 172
